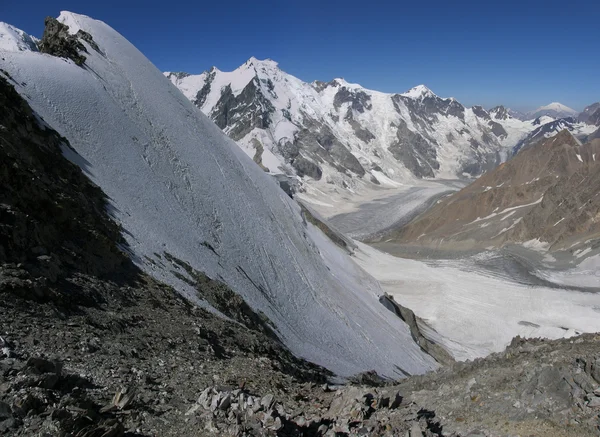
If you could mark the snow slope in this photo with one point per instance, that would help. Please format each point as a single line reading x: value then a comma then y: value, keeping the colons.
x: 178, y: 185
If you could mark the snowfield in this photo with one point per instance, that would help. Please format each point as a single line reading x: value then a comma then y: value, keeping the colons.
x: 178, y: 185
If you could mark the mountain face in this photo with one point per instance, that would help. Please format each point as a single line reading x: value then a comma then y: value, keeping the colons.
x: 341, y: 133
x: 547, y: 193
x: 192, y: 207
x: 590, y: 114
x: 502, y: 113
x: 554, y: 110
x: 546, y: 129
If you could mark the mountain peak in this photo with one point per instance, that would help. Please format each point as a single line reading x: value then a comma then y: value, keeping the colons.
x: 419, y: 92
x: 254, y: 62
x: 554, y: 109
x: 558, y: 106
x: 343, y: 82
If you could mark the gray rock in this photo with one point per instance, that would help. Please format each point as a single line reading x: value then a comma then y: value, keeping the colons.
x: 7, y: 425
x: 267, y: 401
x: 415, y: 430
x: 193, y: 410
x: 216, y: 400
x: 205, y: 398
x: 594, y: 402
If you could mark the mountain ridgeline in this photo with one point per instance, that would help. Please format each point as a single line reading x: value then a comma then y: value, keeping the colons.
x: 342, y: 132
x: 349, y: 136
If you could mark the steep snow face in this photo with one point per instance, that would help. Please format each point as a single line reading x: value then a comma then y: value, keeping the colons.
x: 554, y: 109
x: 182, y: 190
x: 338, y: 136
x: 15, y: 40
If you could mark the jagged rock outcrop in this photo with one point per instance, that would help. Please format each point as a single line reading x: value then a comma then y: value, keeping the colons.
x: 435, y: 350
x: 57, y: 41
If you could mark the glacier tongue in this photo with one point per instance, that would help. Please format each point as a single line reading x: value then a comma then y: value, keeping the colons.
x: 178, y: 185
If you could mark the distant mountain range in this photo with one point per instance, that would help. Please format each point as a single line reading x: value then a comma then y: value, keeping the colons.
x: 340, y: 136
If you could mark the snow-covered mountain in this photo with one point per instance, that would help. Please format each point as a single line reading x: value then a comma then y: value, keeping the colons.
x: 524, y: 133
x: 189, y: 200
x: 554, y: 110
x: 13, y: 39
x: 546, y: 129
x: 341, y: 133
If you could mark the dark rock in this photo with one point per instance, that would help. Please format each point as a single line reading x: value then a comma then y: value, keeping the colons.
x: 359, y: 100
x: 7, y: 425
x: 42, y: 365
x: 5, y: 411
x: 242, y: 113
x: 57, y: 41
x: 417, y: 153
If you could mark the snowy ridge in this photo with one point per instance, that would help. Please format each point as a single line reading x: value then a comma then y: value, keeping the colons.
x: 15, y: 40
x: 548, y: 129
x: 179, y: 186
x: 338, y: 136
x: 342, y: 139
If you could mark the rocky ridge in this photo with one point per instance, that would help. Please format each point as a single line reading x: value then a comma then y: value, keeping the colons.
x: 547, y: 193
x: 590, y: 114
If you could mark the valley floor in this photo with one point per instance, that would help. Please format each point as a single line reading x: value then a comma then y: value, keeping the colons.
x: 365, y: 215
x: 472, y: 303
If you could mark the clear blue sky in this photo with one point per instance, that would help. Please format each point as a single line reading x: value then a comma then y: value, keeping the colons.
x: 520, y: 53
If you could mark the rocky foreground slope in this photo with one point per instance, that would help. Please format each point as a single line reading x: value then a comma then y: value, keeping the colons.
x: 548, y: 193
x: 91, y: 346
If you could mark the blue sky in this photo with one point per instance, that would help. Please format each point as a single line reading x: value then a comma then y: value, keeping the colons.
x: 519, y: 53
